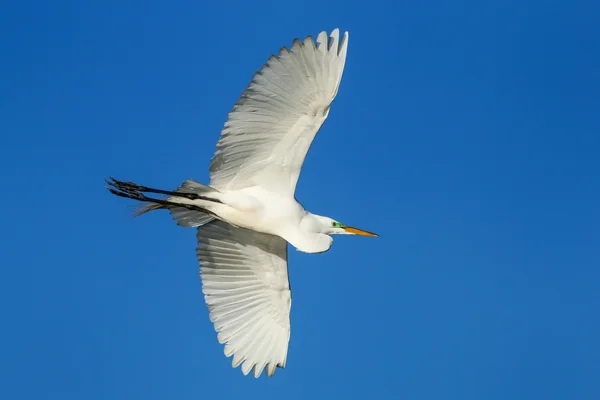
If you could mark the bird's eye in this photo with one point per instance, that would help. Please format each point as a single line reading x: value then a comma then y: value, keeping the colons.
x: 335, y: 224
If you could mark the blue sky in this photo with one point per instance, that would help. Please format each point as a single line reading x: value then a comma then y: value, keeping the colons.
x: 465, y: 133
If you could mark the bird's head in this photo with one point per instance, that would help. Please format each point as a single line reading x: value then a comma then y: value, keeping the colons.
x: 330, y: 226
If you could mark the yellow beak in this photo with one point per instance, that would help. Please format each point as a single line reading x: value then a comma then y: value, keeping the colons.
x: 356, y: 231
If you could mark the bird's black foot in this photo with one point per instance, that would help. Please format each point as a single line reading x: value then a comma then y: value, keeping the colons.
x: 124, y: 189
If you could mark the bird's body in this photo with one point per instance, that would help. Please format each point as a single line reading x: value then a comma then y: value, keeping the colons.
x: 248, y: 213
x: 269, y: 212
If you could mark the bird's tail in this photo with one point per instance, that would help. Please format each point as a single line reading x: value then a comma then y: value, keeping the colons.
x: 144, y: 208
x: 187, y: 215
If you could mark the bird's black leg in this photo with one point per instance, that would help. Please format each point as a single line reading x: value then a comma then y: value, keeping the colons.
x: 130, y: 186
x: 136, y: 195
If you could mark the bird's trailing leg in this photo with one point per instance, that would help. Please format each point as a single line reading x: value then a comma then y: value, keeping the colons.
x: 130, y: 187
x: 136, y: 195
x: 133, y: 191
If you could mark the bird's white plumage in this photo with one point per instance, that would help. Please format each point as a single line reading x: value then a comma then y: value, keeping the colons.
x: 264, y: 143
x: 270, y: 129
x: 246, y: 287
x: 248, y: 214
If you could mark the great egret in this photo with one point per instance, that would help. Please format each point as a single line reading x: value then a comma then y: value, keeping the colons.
x: 248, y: 213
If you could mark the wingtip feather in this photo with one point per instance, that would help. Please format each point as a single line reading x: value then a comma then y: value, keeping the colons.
x: 343, y: 44
x: 334, y: 38
x: 322, y: 41
x: 247, y: 367
x: 237, y: 360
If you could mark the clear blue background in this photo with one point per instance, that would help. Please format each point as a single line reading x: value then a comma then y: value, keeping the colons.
x: 464, y: 132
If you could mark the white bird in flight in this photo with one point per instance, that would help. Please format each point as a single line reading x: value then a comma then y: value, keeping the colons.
x: 248, y: 213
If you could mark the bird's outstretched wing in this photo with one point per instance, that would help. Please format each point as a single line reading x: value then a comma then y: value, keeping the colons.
x: 246, y: 287
x: 270, y: 129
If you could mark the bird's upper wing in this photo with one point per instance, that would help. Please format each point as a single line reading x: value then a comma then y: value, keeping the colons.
x: 246, y: 287
x: 270, y: 129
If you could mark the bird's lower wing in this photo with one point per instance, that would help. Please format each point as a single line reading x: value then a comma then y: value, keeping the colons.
x: 246, y: 287
x: 270, y: 129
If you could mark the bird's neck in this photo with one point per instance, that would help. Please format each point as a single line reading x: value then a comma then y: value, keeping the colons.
x: 306, y: 237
